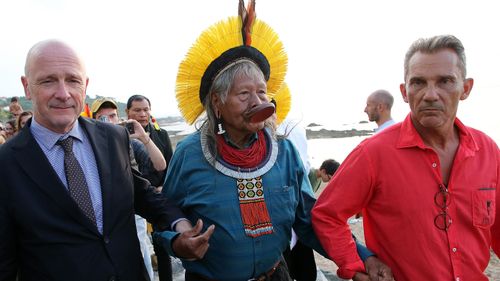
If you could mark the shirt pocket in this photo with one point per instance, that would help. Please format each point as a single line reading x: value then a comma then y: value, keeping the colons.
x: 282, y: 203
x: 483, y: 207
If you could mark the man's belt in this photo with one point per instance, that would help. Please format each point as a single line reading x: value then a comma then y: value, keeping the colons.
x: 263, y: 277
x: 266, y: 275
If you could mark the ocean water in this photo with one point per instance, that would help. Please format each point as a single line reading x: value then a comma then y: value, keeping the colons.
x: 318, y: 149
x: 322, y: 149
x: 336, y: 148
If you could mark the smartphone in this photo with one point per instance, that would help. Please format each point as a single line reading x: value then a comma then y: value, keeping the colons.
x: 128, y: 126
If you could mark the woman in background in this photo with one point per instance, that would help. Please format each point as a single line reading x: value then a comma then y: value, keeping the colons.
x: 10, y: 129
x: 22, y: 119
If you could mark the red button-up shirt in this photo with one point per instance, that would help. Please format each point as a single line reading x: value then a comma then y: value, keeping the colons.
x: 393, y: 177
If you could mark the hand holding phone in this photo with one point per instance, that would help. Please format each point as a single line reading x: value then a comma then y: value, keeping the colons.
x: 130, y: 128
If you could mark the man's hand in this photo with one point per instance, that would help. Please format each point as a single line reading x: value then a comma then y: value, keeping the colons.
x: 377, y: 271
x: 191, y: 244
x: 139, y: 132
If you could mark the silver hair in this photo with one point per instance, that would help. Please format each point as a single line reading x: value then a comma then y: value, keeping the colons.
x: 221, y: 87
x: 434, y: 44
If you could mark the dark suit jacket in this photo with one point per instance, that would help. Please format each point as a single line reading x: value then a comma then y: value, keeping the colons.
x: 162, y: 140
x: 43, y: 233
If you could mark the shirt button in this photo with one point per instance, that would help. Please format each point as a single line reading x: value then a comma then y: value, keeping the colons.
x: 454, y: 250
x: 106, y: 239
x: 457, y: 279
x: 434, y: 165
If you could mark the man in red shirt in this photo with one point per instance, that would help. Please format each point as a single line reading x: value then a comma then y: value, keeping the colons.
x: 427, y: 186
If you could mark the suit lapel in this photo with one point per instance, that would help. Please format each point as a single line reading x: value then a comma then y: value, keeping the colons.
x: 99, y: 140
x: 30, y: 157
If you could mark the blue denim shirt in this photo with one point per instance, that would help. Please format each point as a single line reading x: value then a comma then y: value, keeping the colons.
x: 203, y: 192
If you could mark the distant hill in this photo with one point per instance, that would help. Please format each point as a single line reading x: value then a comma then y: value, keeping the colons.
x: 323, y: 133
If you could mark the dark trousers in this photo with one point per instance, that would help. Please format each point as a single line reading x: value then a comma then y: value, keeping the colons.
x: 164, y: 263
x: 280, y: 274
x: 300, y: 261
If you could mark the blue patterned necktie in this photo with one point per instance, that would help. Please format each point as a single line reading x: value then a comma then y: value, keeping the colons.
x: 77, y: 184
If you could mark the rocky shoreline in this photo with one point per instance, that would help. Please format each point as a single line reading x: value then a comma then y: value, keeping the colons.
x: 330, y: 134
x: 311, y: 132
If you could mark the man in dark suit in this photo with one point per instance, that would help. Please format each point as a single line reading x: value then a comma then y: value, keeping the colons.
x: 46, y: 232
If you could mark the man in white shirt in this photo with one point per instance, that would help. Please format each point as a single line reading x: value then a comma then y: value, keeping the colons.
x: 378, y: 108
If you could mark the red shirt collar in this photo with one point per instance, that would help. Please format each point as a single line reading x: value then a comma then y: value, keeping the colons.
x: 409, y: 136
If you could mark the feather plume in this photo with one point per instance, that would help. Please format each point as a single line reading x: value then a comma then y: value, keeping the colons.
x: 248, y: 23
x: 215, y: 40
x: 283, y: 100
x: 242, y: 12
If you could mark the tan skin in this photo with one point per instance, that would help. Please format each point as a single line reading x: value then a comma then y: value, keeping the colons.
x: 23, y: 120
x: 376, y: 110
x: 433, y: 88
x: 140, y: 111
x: 323, y: 175
x: 9, y: 130
x: 245, y: 93
x: 56, y: 83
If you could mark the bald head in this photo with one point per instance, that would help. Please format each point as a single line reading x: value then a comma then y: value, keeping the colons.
x: 378, y: 106
x: 56, y: 82
x: 382, y: 97
x: 50, y: 47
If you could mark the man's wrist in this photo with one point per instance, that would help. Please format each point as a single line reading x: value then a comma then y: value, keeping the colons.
x: 166, y: 240
x: 146, y: 141
x: 348, y: 271
x: 181, y: 225
x: 363, y: 252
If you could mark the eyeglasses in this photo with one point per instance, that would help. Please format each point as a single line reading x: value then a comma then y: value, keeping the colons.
x: 442, y: 199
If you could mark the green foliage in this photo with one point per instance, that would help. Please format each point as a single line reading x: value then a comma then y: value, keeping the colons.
x: 4, y: 115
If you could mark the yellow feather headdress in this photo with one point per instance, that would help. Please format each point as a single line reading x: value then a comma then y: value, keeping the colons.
x: 283, y: 103
x: 222, y: 44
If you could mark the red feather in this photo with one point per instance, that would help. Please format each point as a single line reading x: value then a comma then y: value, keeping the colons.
x: 249, y: 21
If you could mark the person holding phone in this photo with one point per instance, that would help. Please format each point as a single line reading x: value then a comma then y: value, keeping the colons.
x: 149, y: 158
x: 145, y: 157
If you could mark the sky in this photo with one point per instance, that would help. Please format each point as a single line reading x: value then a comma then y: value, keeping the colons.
x: 339, y: 51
